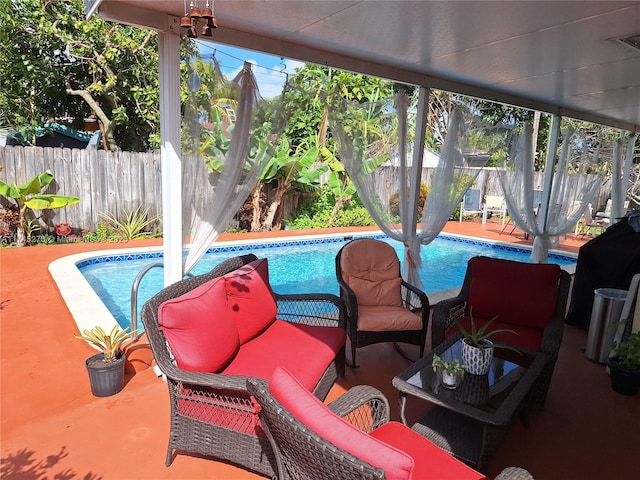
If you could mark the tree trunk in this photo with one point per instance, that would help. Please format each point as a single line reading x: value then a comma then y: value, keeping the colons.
x: 21, y: 239
x: 255, y: 204
x: 267, y: 224
x: 334, y: 212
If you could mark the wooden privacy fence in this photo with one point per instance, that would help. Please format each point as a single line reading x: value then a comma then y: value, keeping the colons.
x: 116, y: 183
x: 106, y: 182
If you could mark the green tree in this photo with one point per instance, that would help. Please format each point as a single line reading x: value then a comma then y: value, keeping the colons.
x: 57, y: 64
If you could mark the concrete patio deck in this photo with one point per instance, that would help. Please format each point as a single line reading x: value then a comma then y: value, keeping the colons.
x: 52, y: 427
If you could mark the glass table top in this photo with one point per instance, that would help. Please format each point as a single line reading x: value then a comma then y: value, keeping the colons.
x: 481, y: 391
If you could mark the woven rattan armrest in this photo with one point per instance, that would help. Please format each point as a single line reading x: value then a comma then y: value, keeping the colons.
x: 348, y: 296
x: 363, y: 406
x: 444, y: 316
x: 414, y: 298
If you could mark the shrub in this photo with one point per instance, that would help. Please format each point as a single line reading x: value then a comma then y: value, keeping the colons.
x: 394, y: 206
x: 315, y: 212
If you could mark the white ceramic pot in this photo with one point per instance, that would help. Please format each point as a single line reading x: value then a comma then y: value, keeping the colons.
x: 477, y: 360
x: 449, y: 380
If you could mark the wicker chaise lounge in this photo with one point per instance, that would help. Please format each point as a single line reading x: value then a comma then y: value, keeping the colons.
x: 212, y: 413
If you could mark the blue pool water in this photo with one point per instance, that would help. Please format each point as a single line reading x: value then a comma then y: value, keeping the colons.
x: 301, y: 266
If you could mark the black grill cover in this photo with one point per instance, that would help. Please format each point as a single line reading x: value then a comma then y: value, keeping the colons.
x: 609, y: 260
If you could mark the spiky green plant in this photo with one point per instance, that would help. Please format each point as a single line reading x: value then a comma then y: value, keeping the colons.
x: 110, y: 344
x: 134, y: 224
x: 478, y: 337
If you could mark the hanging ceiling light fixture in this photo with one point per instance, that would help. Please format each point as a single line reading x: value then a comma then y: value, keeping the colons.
x: 191, y: 16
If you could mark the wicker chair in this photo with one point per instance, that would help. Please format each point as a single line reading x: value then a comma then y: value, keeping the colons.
x: 371, y: 268
x: 302, y: 454
x: 514, y: 292
x: 212, y: 414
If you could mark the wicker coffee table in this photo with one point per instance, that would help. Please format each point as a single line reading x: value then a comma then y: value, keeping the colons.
x: 470, y: 420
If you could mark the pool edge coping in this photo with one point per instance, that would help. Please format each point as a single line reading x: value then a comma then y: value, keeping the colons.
x: 88, y: 310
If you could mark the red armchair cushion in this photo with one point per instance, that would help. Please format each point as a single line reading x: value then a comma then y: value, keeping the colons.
x: 430, y: 460
x: 524, y: 294
x: 372, y: 270
x: 199, y: 329
x: 290, y: 345
x: 250, y: 299
x: 318, y: 417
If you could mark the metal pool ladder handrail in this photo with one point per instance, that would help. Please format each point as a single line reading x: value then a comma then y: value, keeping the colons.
x: 134, y: 296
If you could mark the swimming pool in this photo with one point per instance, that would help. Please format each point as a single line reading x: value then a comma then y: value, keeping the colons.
x: 295, y: 266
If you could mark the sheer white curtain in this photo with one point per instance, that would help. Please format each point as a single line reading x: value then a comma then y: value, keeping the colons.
x: 378, y: 134
x: 622, y: 162
x: 572, y: 188
x: 229, y: 163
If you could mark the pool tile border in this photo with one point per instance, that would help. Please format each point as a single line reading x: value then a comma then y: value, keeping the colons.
x: 315, y: 241
x: 88, y: 310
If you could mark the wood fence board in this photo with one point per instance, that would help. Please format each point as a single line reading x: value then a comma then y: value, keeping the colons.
x: 118, y: 182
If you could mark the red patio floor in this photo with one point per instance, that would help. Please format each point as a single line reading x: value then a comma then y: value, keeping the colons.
x: 52, y: 427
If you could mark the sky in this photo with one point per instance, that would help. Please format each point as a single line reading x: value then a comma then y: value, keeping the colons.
x: 270, y: 71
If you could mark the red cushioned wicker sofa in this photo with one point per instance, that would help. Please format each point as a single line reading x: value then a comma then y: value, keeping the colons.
x: 211, y: 332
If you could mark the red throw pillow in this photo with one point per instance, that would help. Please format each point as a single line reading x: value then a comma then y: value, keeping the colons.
x: 199, y: 329
x: 250, y: 299
x: 318, y: 417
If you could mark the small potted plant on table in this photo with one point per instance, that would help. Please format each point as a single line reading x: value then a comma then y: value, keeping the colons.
x: 624, y: 365
x: 106, y: 369
x: 452, y: 371
x: 477, y: 347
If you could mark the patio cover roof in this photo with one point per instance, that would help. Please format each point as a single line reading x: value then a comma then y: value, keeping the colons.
x: 560, y: 57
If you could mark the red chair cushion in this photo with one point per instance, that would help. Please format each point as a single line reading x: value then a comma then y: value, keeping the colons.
x: 372, y: 270
x: 289, y: 345
x: 199, y: 329
x: 250, y: 299
x: 318, y: 417
x: 430, y: 460
x: 524, y: 294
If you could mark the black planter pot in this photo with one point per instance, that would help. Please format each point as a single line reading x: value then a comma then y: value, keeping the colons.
x: 106, y: 379
x: 624, y: 381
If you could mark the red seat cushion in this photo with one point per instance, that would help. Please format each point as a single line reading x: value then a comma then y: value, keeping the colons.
x: 520, y: 294
x: 250, y: 299
x: 430, y: 460
x: 199, y: 329
x: 306, y: 351
x: 319, y: 418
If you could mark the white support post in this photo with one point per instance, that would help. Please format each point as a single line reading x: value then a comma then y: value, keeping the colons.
x: 170, y: 155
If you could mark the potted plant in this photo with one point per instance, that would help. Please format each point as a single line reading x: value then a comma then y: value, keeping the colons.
x: 624, y: 365
x: 106, y: 369
x: 452, y: 371
x: 477, y: 347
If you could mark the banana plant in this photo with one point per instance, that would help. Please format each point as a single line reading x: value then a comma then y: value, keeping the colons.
x: 28, y: 196
x: 291, y: 168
